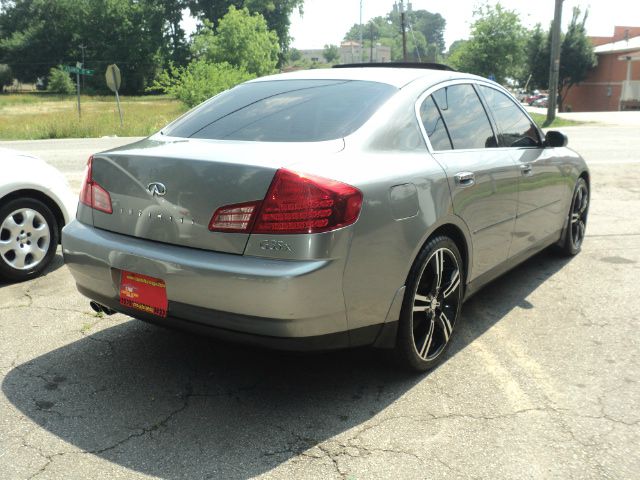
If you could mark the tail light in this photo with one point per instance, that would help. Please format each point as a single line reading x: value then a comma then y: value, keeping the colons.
x: 295, y: 203
x: 92, y: 194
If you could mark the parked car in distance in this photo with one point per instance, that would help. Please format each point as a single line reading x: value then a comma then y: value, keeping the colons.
x: 35, y: 203
x: 327, y: 209
x: 532, y: 98
x: 541, y: 102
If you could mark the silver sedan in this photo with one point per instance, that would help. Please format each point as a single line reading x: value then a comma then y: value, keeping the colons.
x: 327, y: 209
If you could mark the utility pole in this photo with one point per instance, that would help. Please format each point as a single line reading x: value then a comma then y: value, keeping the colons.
x: 554, y: 65
x: 361, y: 61
x: 404, y: 31
x: 371, y: 46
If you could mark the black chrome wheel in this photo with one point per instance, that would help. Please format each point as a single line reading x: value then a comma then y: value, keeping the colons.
x: 577, y: 221
x: 579, y: 209
x: 432, y: 304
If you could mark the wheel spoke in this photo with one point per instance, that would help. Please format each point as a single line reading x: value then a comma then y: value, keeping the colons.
x: 422, y: 298
x: 453, y: 284
x: 421, y: 308
x: 6, y: 246
x: 424, y: 350
x: 11, y: 225
x: 28, y: 217
x: 447, y: 328
x: 37, y: 254
x: 575, y: 217
x: 439, y: 258
x: 19, y: 260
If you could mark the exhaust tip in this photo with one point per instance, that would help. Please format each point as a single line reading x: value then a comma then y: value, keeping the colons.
x: 96, y: 307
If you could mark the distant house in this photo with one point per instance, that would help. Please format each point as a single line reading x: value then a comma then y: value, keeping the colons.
x: 614, y: 84
x: 350, y: 52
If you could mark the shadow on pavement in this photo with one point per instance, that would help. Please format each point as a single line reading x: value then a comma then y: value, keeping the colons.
x: 178, y: 406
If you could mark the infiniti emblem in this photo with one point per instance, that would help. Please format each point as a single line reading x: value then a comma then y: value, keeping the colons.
x: 157, y: 189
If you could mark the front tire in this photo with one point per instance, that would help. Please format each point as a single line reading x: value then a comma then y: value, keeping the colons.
x: 577, y: 219
x: 29, y: 237
x: 431, y: 305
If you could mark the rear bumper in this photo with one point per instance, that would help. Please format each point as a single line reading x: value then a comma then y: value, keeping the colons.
x: 223, y: 294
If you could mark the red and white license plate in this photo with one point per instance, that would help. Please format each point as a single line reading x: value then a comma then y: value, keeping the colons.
x: 144, y: 293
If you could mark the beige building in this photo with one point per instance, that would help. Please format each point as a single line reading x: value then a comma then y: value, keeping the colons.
x: 351, y: 52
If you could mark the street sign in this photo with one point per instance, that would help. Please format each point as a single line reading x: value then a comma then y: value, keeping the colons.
x: 78, y: 71
x: 112, y: 76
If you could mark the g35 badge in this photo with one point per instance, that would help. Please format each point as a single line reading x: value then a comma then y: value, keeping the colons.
x: 275, y: 245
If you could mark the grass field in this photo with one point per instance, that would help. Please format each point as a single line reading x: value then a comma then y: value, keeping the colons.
x: 558, y: 122
x: 37, y: 116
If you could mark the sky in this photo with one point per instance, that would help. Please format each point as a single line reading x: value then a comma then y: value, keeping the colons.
x: 326, y: 21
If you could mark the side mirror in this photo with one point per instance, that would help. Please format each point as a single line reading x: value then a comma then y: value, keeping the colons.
x: 554, y: 138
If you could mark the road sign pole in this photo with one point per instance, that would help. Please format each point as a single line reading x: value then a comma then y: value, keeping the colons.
x: 78, y: 88
x: 113, y: 73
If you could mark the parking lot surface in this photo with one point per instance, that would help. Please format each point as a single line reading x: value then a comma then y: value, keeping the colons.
x: 542, y: 380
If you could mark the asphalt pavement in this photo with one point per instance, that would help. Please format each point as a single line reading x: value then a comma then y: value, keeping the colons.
x: 542, y: 381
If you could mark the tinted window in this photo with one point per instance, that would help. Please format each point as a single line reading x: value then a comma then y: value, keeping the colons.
x: 434, y: 126
x: 516, y: 130
x: 285, y: 111
x: 464, y: 117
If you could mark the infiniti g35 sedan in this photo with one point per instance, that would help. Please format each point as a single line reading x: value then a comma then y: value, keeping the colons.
x: 327, y: 209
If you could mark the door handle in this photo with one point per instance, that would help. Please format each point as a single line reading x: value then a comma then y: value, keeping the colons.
x: 465, y: 179
x: 526, y: 169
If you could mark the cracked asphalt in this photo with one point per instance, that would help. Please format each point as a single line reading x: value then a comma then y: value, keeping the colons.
x: 542, y: 381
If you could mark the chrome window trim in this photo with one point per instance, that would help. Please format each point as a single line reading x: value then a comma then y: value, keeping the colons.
x: 473, y: 82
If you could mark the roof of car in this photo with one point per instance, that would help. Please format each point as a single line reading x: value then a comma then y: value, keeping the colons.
x: 398, y: 77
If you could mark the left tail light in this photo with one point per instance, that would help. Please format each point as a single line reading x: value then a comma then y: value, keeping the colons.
x: 92, y: 194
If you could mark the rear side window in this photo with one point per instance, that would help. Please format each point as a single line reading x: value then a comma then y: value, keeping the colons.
x: 434, y: 125
x: 464, y: 117
x: 284, y: 111
x: 516, y: 130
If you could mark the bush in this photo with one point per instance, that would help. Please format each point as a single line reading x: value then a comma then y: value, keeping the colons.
x: 60, y: 82
x: 199, y: 81
x: 6, y: 76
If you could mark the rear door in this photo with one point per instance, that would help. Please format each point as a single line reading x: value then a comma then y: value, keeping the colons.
x: 541, y: 185
x: 483, y: 178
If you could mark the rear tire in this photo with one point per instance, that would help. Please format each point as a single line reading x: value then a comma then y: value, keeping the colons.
x: 576, y: 225
x: 29, y: 238
x: 431, y: 305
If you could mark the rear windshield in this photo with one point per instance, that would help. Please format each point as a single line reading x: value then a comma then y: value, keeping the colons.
x: 284, y: 111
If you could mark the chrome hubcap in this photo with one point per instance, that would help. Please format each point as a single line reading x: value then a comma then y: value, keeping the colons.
x: 24, y: 239
x: 436, y: 303
x: 579, y: 215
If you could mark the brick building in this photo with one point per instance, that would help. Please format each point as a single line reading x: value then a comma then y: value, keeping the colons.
x: 614, y: 84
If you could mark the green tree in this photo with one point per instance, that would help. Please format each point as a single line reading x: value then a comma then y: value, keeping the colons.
x: 199, y: 81
x: 140, y: 36
x: 6, y: 77
x: 537, y: 66
x: 241, y: 39
x: 277, y: 14
x: 577, y: 57
x: 60, y: 82
x: 331, y: 53
x: 496, y: 45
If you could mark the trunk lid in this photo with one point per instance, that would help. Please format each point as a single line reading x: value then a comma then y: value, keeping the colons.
x: 192, y: 179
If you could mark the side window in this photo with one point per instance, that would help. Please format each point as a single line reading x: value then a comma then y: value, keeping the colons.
x: 464, y: 117
x: 515, y: 127
x: 434, y: 126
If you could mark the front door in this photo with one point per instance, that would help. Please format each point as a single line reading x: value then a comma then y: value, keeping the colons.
x: 482, y: 177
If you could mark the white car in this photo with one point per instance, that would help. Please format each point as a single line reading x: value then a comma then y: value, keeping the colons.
x: 35, y: 203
